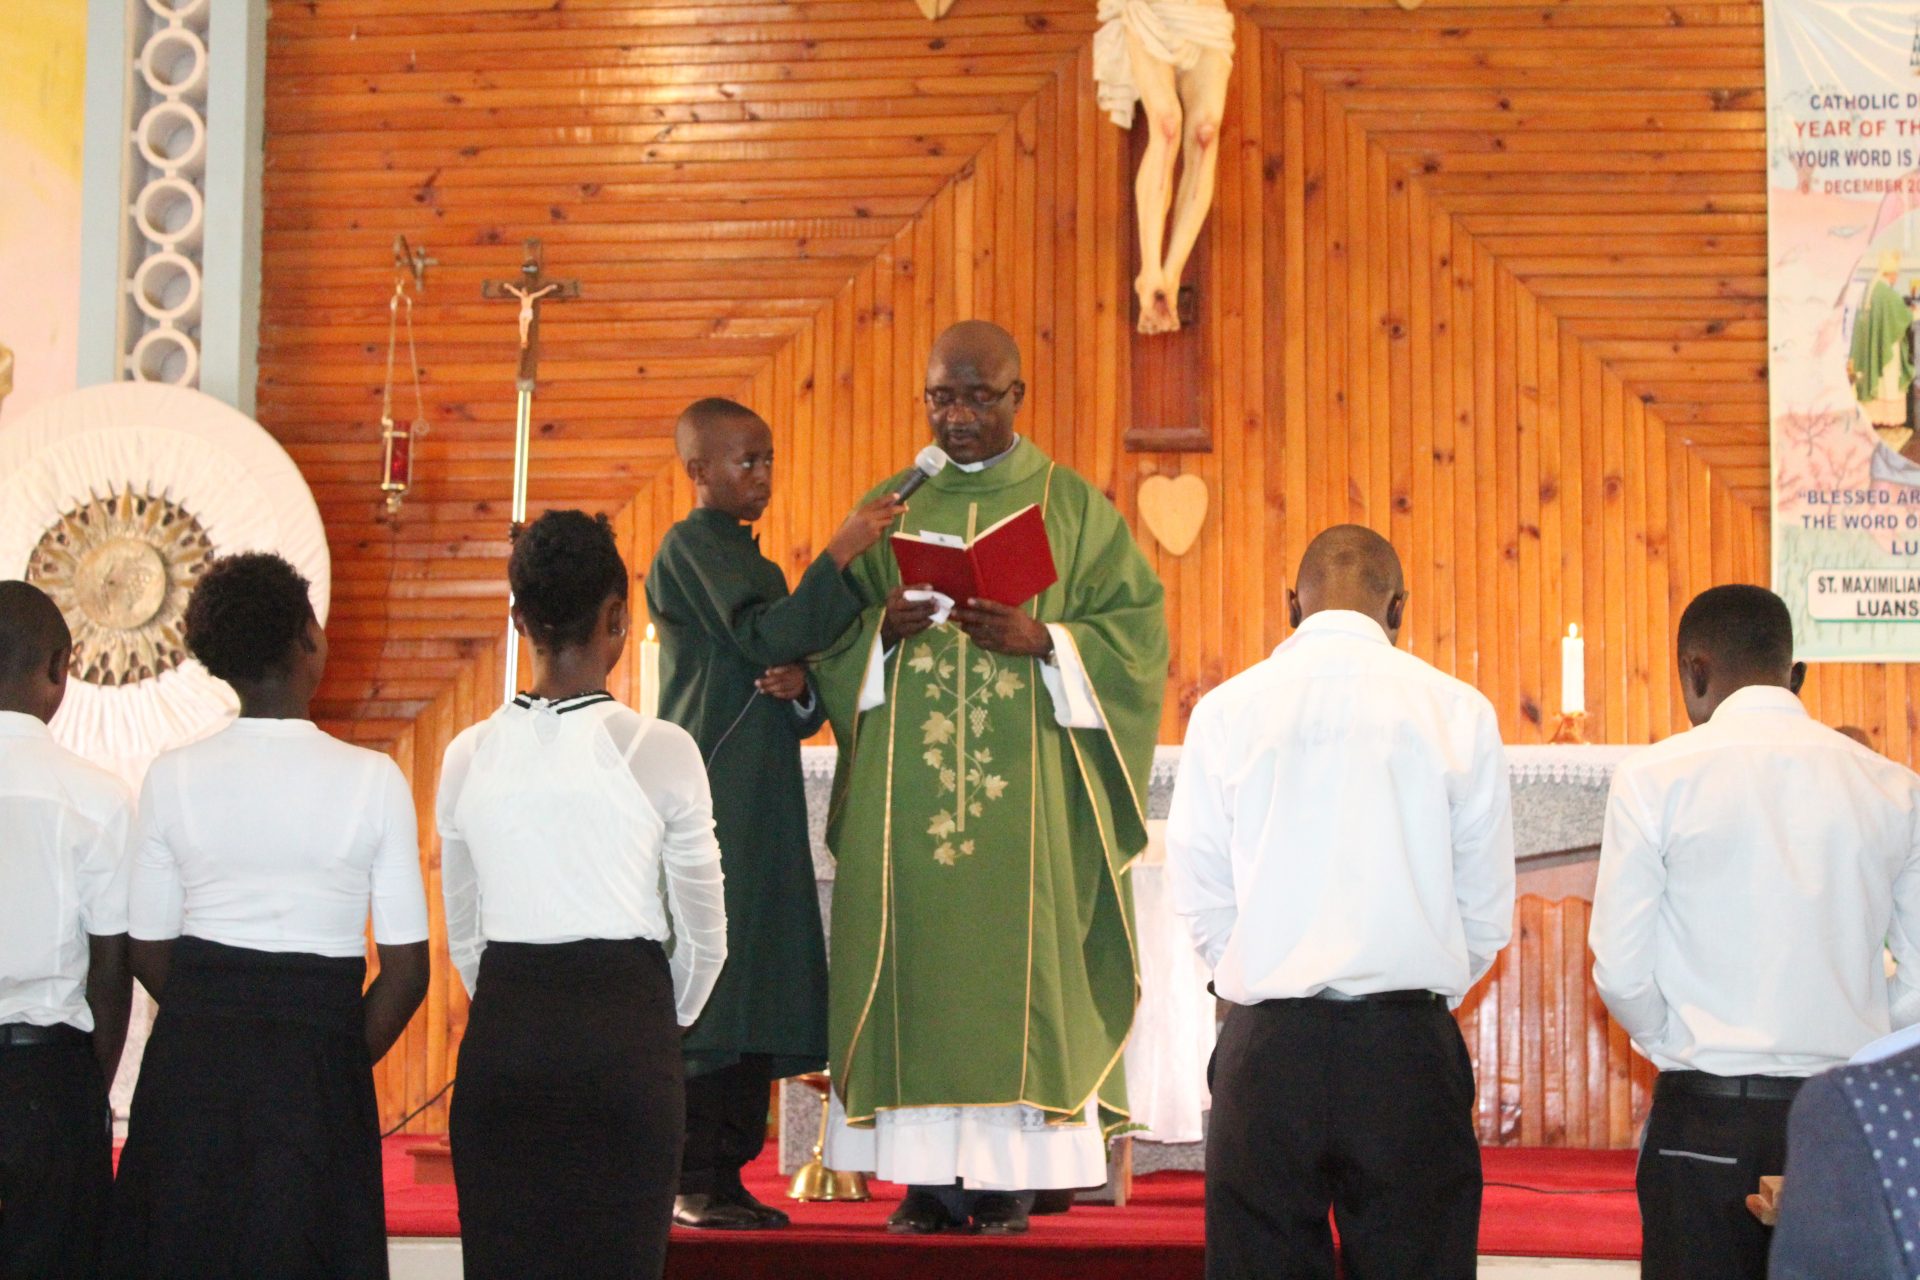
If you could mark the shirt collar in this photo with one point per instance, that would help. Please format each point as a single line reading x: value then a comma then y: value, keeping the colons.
x: 994, y: 461
x: 721, y: 522
x: 1759, y: 697
x: 1340, y: 622
x: 18, y: 724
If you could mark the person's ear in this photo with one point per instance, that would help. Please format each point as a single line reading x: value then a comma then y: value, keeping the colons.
x: 519, y: 622
x: 619, y: 618
x: 1396, y: 611
x: 57, y: 665
x: 1797, y: 677
x: 1696, y: 673
x: 307, y: 642
x: 696, y: 470
x: 1294, y: 614
x: 1019, y: 394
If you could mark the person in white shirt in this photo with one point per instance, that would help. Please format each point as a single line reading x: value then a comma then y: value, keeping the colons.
x: 65, y: 987
x: 1341, y: 845
x: 253, y: 1147
x: 1751, y: 870
x: 586, y: 915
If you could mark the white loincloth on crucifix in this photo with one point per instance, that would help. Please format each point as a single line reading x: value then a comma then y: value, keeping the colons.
x: 1175, y: 32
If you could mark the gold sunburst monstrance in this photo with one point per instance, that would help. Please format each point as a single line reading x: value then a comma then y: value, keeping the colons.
x: 121, y: 568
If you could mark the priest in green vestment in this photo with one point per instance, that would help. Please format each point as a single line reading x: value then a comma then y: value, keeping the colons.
x: 733, y: 641
x: 988, y: 806
x: 1880, y: 360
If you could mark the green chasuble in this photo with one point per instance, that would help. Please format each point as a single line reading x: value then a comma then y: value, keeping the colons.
x: 724, y: 616
x: 1879, y: 337
x: 983, y: 948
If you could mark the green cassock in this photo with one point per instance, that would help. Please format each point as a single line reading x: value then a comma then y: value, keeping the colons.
x: 982, y: 916
x: 724, y: 616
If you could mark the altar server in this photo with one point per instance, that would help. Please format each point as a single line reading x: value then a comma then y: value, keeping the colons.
x: 1341, y: 844
x: 254, y: 1144
x: 64, y: 983
x: 734, y: 644
x: 1750, y: 871
x: 576, y: 841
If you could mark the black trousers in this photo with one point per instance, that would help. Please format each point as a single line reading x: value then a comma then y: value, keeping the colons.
x: 1700, y: 1158
x: 1366, y: 1108
x: 569, y: 1114
x: 726, y: 1125
x: 56, y: 1161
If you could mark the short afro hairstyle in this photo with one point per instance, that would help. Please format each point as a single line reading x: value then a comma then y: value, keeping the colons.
x: 564, y: 566
x: 1745, y: 627
x: 246, y: 614
x: 32, y: 631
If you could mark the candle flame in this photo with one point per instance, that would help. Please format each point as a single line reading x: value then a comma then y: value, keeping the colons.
x: 1573, y: 631
x: 649, y: 633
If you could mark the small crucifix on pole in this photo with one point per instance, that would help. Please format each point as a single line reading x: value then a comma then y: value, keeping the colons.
x: 532, y: 289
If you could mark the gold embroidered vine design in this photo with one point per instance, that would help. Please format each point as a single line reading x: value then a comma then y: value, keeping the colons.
x: 962, y: 770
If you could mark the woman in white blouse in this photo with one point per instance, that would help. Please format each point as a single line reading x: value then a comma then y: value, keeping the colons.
x: 254, y: 1144
x: 584, y: 913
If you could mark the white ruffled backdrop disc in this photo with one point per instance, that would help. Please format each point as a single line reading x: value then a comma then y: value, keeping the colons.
x: 213, y: 461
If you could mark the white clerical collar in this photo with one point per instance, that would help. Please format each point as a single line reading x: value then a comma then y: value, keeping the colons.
x: 994, y: 461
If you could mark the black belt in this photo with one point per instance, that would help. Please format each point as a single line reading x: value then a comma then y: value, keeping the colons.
x: 1331, y: 996
x: 19, y: 1035
x: 1704, y: 1084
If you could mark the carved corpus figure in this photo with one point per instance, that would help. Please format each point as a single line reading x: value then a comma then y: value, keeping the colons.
x: 527, y: 299
x: 1173, y: 57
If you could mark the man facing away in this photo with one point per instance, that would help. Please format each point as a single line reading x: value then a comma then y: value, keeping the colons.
x: 733, y: 644
x: 1341, y: 845
x: 1750, y: 871
x: 65, y: 985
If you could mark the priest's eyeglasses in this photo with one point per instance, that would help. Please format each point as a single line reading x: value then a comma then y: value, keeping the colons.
x: 942, y: 398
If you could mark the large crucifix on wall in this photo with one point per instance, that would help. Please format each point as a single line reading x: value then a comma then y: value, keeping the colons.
x: 1173, y: 60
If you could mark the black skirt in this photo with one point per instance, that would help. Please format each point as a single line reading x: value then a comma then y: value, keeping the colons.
x: 254, y: 1144
x: 569, y: 1112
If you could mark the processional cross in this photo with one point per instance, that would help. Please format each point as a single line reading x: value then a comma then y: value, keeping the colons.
x: 532, y: 289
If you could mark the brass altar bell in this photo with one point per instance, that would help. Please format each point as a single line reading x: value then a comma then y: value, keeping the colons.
x: 814, y: 1181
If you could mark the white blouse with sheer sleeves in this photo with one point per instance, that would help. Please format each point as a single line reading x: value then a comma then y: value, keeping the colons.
x: 561, y: 821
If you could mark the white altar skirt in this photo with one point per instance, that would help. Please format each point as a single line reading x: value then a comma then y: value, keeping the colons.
x: 1173, y: 1029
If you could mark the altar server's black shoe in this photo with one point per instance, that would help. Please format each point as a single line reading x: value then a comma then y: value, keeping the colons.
x: 768, y: 1215
x: 1046, y: 1202
x: 710, y: 1213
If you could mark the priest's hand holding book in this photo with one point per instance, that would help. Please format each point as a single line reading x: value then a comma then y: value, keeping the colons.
x: 1004, y: 628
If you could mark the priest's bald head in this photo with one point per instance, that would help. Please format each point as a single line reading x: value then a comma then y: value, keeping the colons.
x: 974, y: 390
x: 1730, y: 637
x: 1350, y: 567
x: 34, y: 647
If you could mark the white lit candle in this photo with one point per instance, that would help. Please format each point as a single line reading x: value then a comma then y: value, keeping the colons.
x: 1573, y: 673
x: 649, y: 675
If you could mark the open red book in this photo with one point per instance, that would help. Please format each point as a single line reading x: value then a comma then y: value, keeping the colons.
x: 1011, y: 562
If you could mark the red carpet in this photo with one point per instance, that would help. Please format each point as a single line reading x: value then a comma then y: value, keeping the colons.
x: 1158, y: 1235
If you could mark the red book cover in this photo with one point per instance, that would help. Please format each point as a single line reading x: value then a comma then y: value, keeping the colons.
x: 1011, y: 562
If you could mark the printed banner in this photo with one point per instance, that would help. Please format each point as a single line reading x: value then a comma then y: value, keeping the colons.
x: 1843, y: 320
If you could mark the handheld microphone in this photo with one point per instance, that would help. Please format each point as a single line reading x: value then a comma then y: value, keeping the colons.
x: 931, y: 461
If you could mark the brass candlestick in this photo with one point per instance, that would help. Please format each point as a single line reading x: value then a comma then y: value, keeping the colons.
x: 1571, y: 731
x: 813, y: 1180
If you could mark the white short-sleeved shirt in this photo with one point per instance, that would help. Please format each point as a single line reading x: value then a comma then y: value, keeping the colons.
x: 63, y: 872
x: 274, y: 836
x: 574, y: 819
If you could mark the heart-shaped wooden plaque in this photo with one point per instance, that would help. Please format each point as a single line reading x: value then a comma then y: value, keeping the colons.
x: 1173, y: 509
